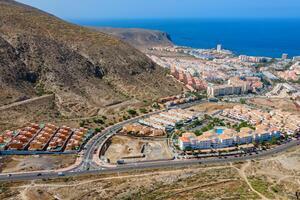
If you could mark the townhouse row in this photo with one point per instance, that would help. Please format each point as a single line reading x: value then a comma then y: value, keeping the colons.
x: 143, y: 131
x: 44, y: 137
x: 168, y: 120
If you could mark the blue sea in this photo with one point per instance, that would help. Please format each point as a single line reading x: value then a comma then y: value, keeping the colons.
x: 257, y: 37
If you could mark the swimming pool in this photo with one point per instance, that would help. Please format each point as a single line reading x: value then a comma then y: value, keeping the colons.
x: 219, y: 131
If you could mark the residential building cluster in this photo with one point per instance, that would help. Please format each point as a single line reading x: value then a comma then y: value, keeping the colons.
x: 292, y: 74
x: 177, y: 100
x: 266, y: 126
x: 285, y: 56
x: 235, y: 86
x: 285, y: 90
x: 59, y: 141
x: 44, y: 137
x: 167, y: 49
x: 223, y: 90
x: 253, y: 59
x: 24, y: 137
x: 296, y: 58
x: 285, y: 122
x: 192, y: 83
x: 207, y: 70
x: 142, y: 131
x: 169, y: 119
x: 6, y: 137
x: 278, y: 65
x: 270, y: 76
x: 208, y: 54
x: 222, y: 137
x: 79, y: 137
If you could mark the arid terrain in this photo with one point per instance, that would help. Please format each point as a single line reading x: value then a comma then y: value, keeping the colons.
x: 276, y: 177
x: 277, y: 103
x: 9, y: 164
x: 123, y: 147
x: 209, y: 108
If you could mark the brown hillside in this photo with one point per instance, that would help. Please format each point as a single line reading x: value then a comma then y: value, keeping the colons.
x: 86, y: 69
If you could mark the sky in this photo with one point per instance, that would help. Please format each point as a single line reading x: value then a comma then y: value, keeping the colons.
x: 166, y: 9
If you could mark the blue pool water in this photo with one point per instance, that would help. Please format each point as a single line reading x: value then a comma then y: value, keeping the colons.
x: 219, y: 131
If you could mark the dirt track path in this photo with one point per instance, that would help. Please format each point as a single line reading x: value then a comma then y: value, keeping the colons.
x: 23, y: 193
x: 244, y: 176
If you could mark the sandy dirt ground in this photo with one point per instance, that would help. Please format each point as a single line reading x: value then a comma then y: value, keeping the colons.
x: 276, y: 103
x: 126, y: 146
x: 209, y: 107
x: 11, y: 164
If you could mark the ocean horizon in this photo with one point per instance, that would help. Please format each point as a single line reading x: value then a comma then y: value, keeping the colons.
x: 255, y: 37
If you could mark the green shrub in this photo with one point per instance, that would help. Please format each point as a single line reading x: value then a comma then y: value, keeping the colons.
x: 131, y: 112
x: 99, y: 121
x: 98, y: 130
x: 143, y: 110
x: 82, y: 123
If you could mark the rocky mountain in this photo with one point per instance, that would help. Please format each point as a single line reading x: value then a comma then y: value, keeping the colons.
x: 140, y: 38
x: 86, y: 69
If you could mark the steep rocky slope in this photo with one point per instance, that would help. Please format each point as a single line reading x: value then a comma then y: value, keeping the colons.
x: 139, y: 38
x: 86, y: 69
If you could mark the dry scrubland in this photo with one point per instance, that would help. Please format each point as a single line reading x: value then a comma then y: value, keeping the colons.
x: 44, y: 109
x: 277, y: 103
x: 10, y: 164
x: 277, y: 177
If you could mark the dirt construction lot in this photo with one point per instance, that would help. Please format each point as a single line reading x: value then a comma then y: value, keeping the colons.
x: 123, y: 147
x: 9, y: 164
x: 212, y: 107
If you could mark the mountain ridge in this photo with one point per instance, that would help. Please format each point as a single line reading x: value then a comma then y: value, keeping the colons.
x: 139, y: 38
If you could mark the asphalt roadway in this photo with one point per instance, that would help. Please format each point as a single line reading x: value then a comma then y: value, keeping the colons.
x: 87, y: 167
x: 153, y: 165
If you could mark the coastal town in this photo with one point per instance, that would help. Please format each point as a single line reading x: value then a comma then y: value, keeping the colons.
x: 133, y: 100
x: 149, y: 100
x: 220, y: 73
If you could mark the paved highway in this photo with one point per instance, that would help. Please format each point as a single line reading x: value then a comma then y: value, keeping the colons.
x: 152, y: 165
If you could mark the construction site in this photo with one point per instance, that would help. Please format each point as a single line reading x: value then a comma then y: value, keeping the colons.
x: 129, y: 149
